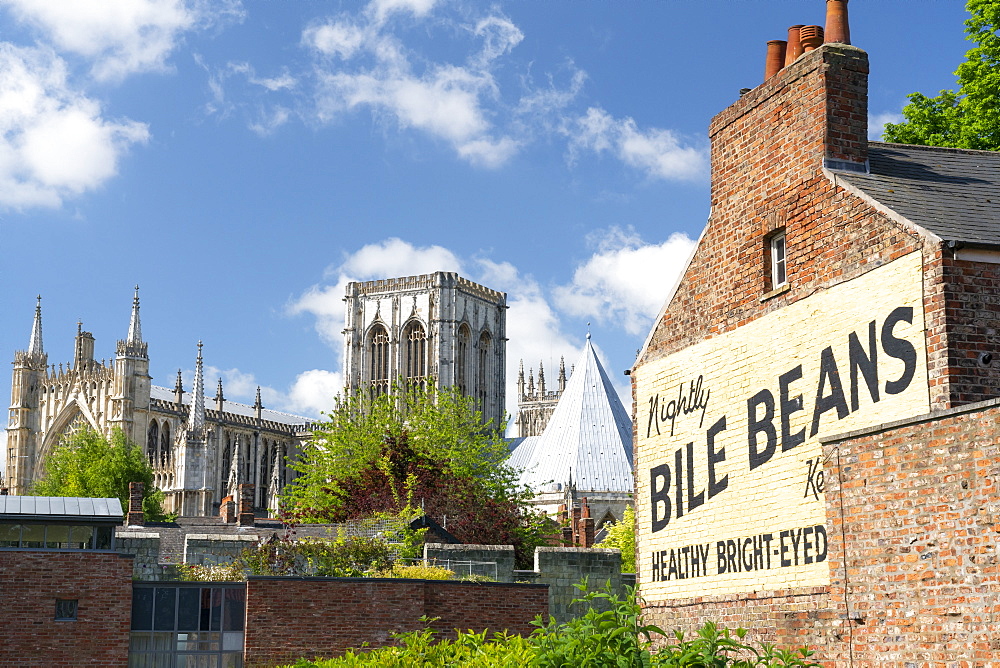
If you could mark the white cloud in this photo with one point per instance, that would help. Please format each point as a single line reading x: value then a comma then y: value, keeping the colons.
x: 362, y: 65
x: 876, y: 123
x: 626, y: 280
x: 54, y: 141
x: 120, y: 36
x: 313, y: 392
x: 395, y: 257
x: 659, y: 153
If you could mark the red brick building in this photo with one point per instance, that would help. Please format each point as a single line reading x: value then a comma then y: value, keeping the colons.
x: 841, y: 286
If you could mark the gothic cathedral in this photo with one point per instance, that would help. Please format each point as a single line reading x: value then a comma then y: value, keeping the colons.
x: 199, y: 453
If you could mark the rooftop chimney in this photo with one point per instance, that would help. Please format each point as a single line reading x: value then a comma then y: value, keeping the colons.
x: 837, y: 28
x: 775, y: 58
x: 794, y: 48
x: 811, y: 37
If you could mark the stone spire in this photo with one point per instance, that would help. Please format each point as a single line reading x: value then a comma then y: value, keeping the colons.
x: 196, y: 420
x: 541, y: 379
x: 562, y: 374
x: 520, y: 380
x: 178, y: 388
x: 134, y: 329
x: 220, y: 398
x: 258, y: 405
x: 35, y: 345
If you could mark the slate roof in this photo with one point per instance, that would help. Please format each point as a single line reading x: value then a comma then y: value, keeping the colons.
x: 588, y: 438
x: 167, y: 394
x: 69, y: 508
x: 953, y: 193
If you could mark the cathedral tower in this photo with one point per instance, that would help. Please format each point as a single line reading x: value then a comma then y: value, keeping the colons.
x: 436, y: 326
x: 24, y: 424
x: 130, y: 395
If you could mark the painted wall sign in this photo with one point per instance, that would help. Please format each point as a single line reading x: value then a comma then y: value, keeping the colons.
x: 731, y: 489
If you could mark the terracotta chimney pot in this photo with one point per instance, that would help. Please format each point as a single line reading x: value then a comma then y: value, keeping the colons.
x: 775, y: 58
x: 811, y: 37
x: 794, y: 48
x: 837, y: 27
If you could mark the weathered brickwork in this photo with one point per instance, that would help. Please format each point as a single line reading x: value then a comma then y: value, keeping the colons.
x: 914, y: 512
x: 920, y: 549
x: 100, y: 582
x: 972, y: 309
x: 288, y: 618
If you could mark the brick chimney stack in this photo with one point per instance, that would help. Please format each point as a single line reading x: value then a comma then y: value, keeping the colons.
x: 245, y: 518
x: 135, y: 516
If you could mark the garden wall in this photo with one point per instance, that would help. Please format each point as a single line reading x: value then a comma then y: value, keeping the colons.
x: 289, y: 618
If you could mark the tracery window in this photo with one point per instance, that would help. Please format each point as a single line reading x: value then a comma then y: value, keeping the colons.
x: 415, y: 362
x: 483, y: 371
x: 152, y: 441
x: 462, y: 359
x: 165, y: 443
x: 378, y: 350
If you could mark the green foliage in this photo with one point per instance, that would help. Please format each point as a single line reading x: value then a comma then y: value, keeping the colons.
x: 621, y: 535
x: 86, y: 464
x: 421, y: 447
x: 609, y: 634
x: 417, y: 572
x: 420, y: 648
x: 969, y: 118
x: 345, y: 556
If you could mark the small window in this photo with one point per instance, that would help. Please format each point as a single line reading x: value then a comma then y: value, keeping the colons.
x: 779, y: 275
x: 66, y: 609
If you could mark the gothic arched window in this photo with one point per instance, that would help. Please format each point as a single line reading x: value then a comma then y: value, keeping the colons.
x: 484, y: 369
x: 462, y: 359
x: 378, y: 350
x: 415, y: 356
x: 165, y: 442
x: 265, y: 475
x: 152, y: 440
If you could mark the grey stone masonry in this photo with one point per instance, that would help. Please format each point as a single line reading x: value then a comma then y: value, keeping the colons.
x: 480, y: 555
x: 146, y: 548
x: 559, y: 567
x: 563, y: 567
x: 205, y: 549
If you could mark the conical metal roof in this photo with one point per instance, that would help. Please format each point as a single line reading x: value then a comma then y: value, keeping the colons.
x: 588, y: 438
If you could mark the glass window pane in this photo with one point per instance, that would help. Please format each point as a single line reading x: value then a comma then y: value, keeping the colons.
x: 232, y: 660
x: 80, y: 537
x: 197, y: 661
x: 10, y: 535
x: 163, y: 642
x: 188, y: 608
x: 142, y: 608
x: 57, y: 537
x: 216, y: 609
x: 164, y: 608
x: 234, y: 613
x: 232, y: 641
x: 33, y: 535
x: 104, y: 535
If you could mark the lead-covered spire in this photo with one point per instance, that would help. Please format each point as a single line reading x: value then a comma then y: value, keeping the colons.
x: 134, y: 329
x: 196, y: 420
x: 35, y: 344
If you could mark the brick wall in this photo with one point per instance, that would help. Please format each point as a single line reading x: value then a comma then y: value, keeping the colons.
x: 288, y: 618
x: 914, y: 512
x: 31, y: 582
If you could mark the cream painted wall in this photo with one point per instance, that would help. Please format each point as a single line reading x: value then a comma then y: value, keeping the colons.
x: 759, y: 524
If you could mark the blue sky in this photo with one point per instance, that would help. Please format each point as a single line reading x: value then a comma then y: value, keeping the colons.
x: 241, y: 161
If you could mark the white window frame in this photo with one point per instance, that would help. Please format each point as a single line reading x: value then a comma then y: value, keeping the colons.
x: 779, y: 260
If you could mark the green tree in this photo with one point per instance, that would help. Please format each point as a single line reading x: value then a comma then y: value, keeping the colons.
x: 89, y: 465
x: 419, y: 447
x: 969, y: 118
x: 621, y: 535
